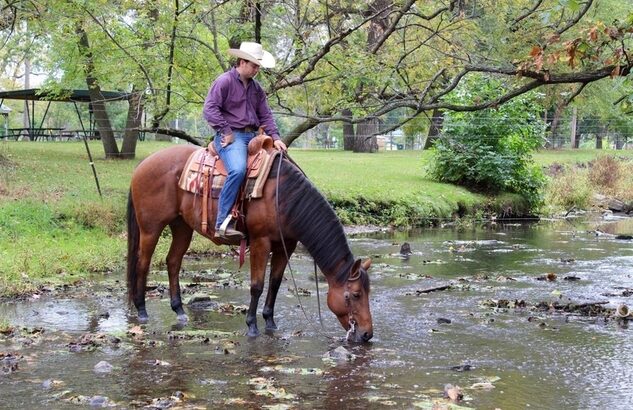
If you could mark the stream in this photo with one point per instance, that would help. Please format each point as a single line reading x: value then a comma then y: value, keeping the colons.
x: 498, y: 316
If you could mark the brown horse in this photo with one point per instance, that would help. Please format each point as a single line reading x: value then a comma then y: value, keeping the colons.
x: 290, y: 211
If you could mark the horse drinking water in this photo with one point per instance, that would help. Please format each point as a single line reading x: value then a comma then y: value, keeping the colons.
x: 291, y: 210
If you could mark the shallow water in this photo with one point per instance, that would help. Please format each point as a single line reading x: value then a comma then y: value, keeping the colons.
x: 501, y: 357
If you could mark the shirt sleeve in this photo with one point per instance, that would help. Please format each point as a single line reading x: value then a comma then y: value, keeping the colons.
x: 215, y: 99
x: 265, y: 115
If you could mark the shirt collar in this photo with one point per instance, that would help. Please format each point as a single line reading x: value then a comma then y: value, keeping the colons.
x: 236, y: 76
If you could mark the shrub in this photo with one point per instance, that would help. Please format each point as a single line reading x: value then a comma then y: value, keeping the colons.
x: 567, y: 190
x: 605, y: 173
x: 491, y: 150
x: 623, y: 190
x: 101, y: 215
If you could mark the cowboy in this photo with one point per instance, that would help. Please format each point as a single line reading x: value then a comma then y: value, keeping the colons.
x: 235, y: 107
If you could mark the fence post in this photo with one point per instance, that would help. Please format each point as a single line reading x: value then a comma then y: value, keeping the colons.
x: 574, y: 122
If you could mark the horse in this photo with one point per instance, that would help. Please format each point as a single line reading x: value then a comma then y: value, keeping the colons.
x: 291, y: 210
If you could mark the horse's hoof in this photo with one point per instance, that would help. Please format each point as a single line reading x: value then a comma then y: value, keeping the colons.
x: 252, y: 332
x: 271, y: 326
x: 143, y: 318
x: 183, y: 318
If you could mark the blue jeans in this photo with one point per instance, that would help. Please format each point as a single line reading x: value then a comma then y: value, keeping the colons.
x: 234, y: 158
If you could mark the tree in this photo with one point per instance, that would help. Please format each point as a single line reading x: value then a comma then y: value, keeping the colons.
x: 338, y: 61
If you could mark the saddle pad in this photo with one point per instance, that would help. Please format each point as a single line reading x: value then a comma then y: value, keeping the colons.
x: 191, y: 179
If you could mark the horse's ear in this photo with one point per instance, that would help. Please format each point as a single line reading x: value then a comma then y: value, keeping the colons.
x: 354, y: 273
x: 366, y: 264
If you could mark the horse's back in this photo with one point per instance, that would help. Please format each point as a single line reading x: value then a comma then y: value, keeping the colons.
x: 154, y: 185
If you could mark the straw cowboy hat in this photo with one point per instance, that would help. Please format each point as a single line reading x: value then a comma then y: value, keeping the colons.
x: 254, y: 52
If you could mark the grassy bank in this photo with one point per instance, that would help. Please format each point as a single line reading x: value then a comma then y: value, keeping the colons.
x: 55, y: 228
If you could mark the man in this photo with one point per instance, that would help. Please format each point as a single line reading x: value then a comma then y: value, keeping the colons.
x: 236, y: 107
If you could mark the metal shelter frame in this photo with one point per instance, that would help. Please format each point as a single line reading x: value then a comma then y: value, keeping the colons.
x: 35, y: 94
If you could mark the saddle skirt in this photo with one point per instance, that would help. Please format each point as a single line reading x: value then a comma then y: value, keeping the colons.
x: 205, y: 169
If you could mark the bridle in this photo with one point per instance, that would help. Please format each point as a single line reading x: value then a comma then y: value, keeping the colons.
x: 349, y: 304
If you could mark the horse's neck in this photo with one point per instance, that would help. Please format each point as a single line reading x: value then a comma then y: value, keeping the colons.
x: 341, y: 269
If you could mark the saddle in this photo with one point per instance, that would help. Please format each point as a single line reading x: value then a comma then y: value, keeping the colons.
x: 204, y: 173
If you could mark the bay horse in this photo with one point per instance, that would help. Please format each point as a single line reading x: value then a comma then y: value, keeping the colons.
x: 291, y: 210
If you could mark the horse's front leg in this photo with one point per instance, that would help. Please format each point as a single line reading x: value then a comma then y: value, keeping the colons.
x: 278, y: 264
x: 260, y: 249
x: 181, y: 238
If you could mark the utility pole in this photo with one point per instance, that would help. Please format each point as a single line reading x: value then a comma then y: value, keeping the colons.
x: 27, y: 84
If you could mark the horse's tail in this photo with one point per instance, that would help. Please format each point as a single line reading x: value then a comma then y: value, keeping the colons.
x: 133, y: 235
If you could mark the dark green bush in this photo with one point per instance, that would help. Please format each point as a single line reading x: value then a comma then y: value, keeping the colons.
x: 491, y: 150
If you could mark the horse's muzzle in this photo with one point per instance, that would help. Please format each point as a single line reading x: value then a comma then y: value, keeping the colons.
x: 357, y: 335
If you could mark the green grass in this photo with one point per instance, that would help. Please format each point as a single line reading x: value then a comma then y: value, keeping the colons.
x: 54, y: 228
x: 383, y: 188
x: 569, y: 156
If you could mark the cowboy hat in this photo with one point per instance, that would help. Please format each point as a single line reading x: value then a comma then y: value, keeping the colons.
x: 254, y: 53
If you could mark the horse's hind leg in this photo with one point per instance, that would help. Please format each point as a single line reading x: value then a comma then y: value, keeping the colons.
x: 278, y: 264
x: 181, y: 238
x: 147, y: 245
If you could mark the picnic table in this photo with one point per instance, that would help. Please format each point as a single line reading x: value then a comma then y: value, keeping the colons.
x: 34, y: 134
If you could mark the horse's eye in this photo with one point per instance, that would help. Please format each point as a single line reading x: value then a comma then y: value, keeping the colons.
x: 356, y: 295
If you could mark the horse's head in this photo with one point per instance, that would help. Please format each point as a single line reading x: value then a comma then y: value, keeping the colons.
x: 350, y: 303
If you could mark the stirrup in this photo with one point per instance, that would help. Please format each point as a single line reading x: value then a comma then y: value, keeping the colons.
x: 225, y: 225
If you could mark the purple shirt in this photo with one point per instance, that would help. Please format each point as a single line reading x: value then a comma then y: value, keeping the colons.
x: 231, y: 105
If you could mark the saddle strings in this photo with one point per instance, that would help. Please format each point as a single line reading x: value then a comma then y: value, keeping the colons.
x: 283, y: 243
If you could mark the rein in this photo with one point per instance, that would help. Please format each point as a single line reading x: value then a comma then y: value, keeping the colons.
x: 348, y: 302
x: 283, y: 243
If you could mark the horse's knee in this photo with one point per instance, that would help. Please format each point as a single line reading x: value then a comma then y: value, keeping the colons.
x: 256, y: 289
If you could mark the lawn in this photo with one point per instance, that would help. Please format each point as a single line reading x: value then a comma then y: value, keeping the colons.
x: 54, y: 227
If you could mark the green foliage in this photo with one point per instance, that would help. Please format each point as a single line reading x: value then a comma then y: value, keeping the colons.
x: 491, y: 150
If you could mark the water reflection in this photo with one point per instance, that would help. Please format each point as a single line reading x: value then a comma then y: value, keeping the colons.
x: 531, y: 357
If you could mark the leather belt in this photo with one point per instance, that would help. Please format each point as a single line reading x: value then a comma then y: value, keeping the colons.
x: 246, y: 129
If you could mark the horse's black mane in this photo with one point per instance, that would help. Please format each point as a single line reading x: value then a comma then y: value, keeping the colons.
x: 311, y: 219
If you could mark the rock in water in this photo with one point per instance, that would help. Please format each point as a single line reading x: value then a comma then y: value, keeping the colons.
x: 103, y: 367
x: 454, y: 393
x: 405, y: 249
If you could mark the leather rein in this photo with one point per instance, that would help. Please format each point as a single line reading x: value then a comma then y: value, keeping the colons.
x: 348, y: 299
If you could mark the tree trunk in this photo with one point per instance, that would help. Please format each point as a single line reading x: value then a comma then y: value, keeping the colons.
x: 348, y: 131
x: 132, y: 125
x: 555, y: 140
x: 365, y: 140
x: 437, y: 120
x: 366, y: 131
x: 96, y: 98
x: 602, y: 131
x: 258, y: 22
